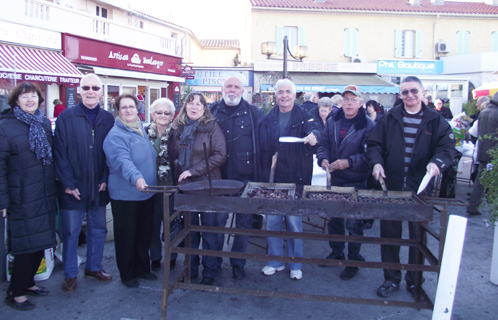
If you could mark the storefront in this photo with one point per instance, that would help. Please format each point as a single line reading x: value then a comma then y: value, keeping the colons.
x: 209, y: 81
x: 326, y: 78
x: 126, y: 70
x: 431, y: 73
x: 32, y: 54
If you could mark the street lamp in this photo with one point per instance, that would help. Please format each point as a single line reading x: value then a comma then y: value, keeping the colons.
x: 270, y: 48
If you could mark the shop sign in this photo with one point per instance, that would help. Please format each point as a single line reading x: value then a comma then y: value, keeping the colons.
x: 20, y: 34
x: 39, y: 78
x: 409, y: 67
x: 98, y: 53
x: 216, y: 77
x: 188, y: 72
x: 311, y: 66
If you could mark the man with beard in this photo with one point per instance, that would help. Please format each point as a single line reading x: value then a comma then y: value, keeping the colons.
x: 239, y: 121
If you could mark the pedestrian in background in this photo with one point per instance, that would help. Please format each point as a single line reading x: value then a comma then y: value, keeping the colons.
x: 58, y: 107
x: 27, y: 190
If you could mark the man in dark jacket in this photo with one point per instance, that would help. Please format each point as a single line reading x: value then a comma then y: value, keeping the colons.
x: 82, y: 172
x: 343, y: 153
x: 488, y: 124
x: 239, y: 121
x: 310, y: 101
x: 409, y: 141
x: 444, y: 111
x: 294, y: 165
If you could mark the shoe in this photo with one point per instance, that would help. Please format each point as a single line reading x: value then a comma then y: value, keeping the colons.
x: 349, y: 272
x: 100, y: 275
x: 296, y: 274
x: 41, y: 291
x: 268, y: 271
x: 476, y: 213
x: 172, y: 263
x: 333, y: 256
x: 238, y: 272
x: 132, y: 283
x: 156, y: 265
x: 192, y: 277
x: 410, y: 287
x: 387, y: 288
x: 69, y: 285
x: 23, y: 306
x: 147, y: 276
x: 207, y: 281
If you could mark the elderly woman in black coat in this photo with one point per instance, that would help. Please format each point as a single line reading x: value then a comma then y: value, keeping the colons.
x: 27, y: 190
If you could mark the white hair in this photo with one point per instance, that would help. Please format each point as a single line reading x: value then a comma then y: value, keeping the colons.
x: 162, y: 101
x: 308, y: 96
x: 285, y: 82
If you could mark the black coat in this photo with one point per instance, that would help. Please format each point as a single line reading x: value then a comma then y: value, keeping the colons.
x: 241, y: 134
x: 295, y: 160
x: 308, y: 105
x: 27, y: 188
x: 434, y: 142
x: 79, y: 157
x: 353, y: 148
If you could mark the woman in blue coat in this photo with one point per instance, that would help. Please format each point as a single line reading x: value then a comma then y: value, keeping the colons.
x: 27, y: 190
x: 131, y: 159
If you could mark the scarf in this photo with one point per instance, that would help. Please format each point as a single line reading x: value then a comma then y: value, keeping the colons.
x: 134, y: 126
x: 186, y: 142
x: 163, y: 164
x: 38, y: 142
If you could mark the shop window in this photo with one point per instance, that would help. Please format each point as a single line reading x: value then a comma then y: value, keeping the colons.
x: 407, y: 43
x: 463, y: 38
x: 112, y: 94
x: 350, y: 42
x: 36, y: 10
x: 154, y: 95
x: 295, y: 35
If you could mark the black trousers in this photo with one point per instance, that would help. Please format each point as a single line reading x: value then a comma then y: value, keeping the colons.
x: 389, y: 253
x: 133, y: 222
x: 23, y: 272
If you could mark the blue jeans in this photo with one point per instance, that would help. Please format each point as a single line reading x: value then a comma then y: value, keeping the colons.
x: 276, y: 245
x: 210, y: 241
x: 242, y: 221
x: 96, y: 234
x: 355, y: 228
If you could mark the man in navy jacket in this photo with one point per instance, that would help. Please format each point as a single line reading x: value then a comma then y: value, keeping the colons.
x: 343, y: 153
x: 81, y: 170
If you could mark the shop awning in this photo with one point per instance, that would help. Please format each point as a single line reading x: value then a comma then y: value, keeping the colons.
x: 487, y: 89
x: 319, y: 82
x: 138, y: 75
x: 26, y: 64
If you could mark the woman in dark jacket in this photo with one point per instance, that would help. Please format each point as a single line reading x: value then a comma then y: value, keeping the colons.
x: 162, y: 112
x: 373, y: 110
x: 194, y: 126
x: 27, y: 190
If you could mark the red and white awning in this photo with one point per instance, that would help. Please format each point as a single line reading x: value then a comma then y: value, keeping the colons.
x: 36, y: 65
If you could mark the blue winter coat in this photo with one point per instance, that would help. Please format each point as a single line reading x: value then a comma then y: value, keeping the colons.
x: 130, y: 156
x: 353, y: 148
x: 79, y: 157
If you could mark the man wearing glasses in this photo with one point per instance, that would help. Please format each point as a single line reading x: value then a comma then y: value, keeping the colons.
x: 81, y: 171
x: 410, y: 140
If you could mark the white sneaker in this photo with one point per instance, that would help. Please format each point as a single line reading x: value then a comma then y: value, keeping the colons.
x: 268, y: 271
x: 296, y: 274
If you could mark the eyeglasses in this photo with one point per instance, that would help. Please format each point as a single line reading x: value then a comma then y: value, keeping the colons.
x: 94, y: 88
x: 349, y: 99
x: 414, y: 91
x: 127, y: 107
x: 160, y: 113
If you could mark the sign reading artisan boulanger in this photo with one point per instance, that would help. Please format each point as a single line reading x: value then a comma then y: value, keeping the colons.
x: 410, y: 67
x: 38, y: 78
x: 104, y: 54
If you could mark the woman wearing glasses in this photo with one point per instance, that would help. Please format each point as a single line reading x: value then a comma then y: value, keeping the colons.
x: 27, y: 190
x: 131, y: 159
x: 159, y: 132
x: 193, y: 127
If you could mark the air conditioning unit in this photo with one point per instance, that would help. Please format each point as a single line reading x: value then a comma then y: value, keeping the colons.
x: 358, y: 59
x: 443, y: 47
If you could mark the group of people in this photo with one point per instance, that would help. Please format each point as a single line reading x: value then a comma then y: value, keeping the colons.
x: 96, y: 159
